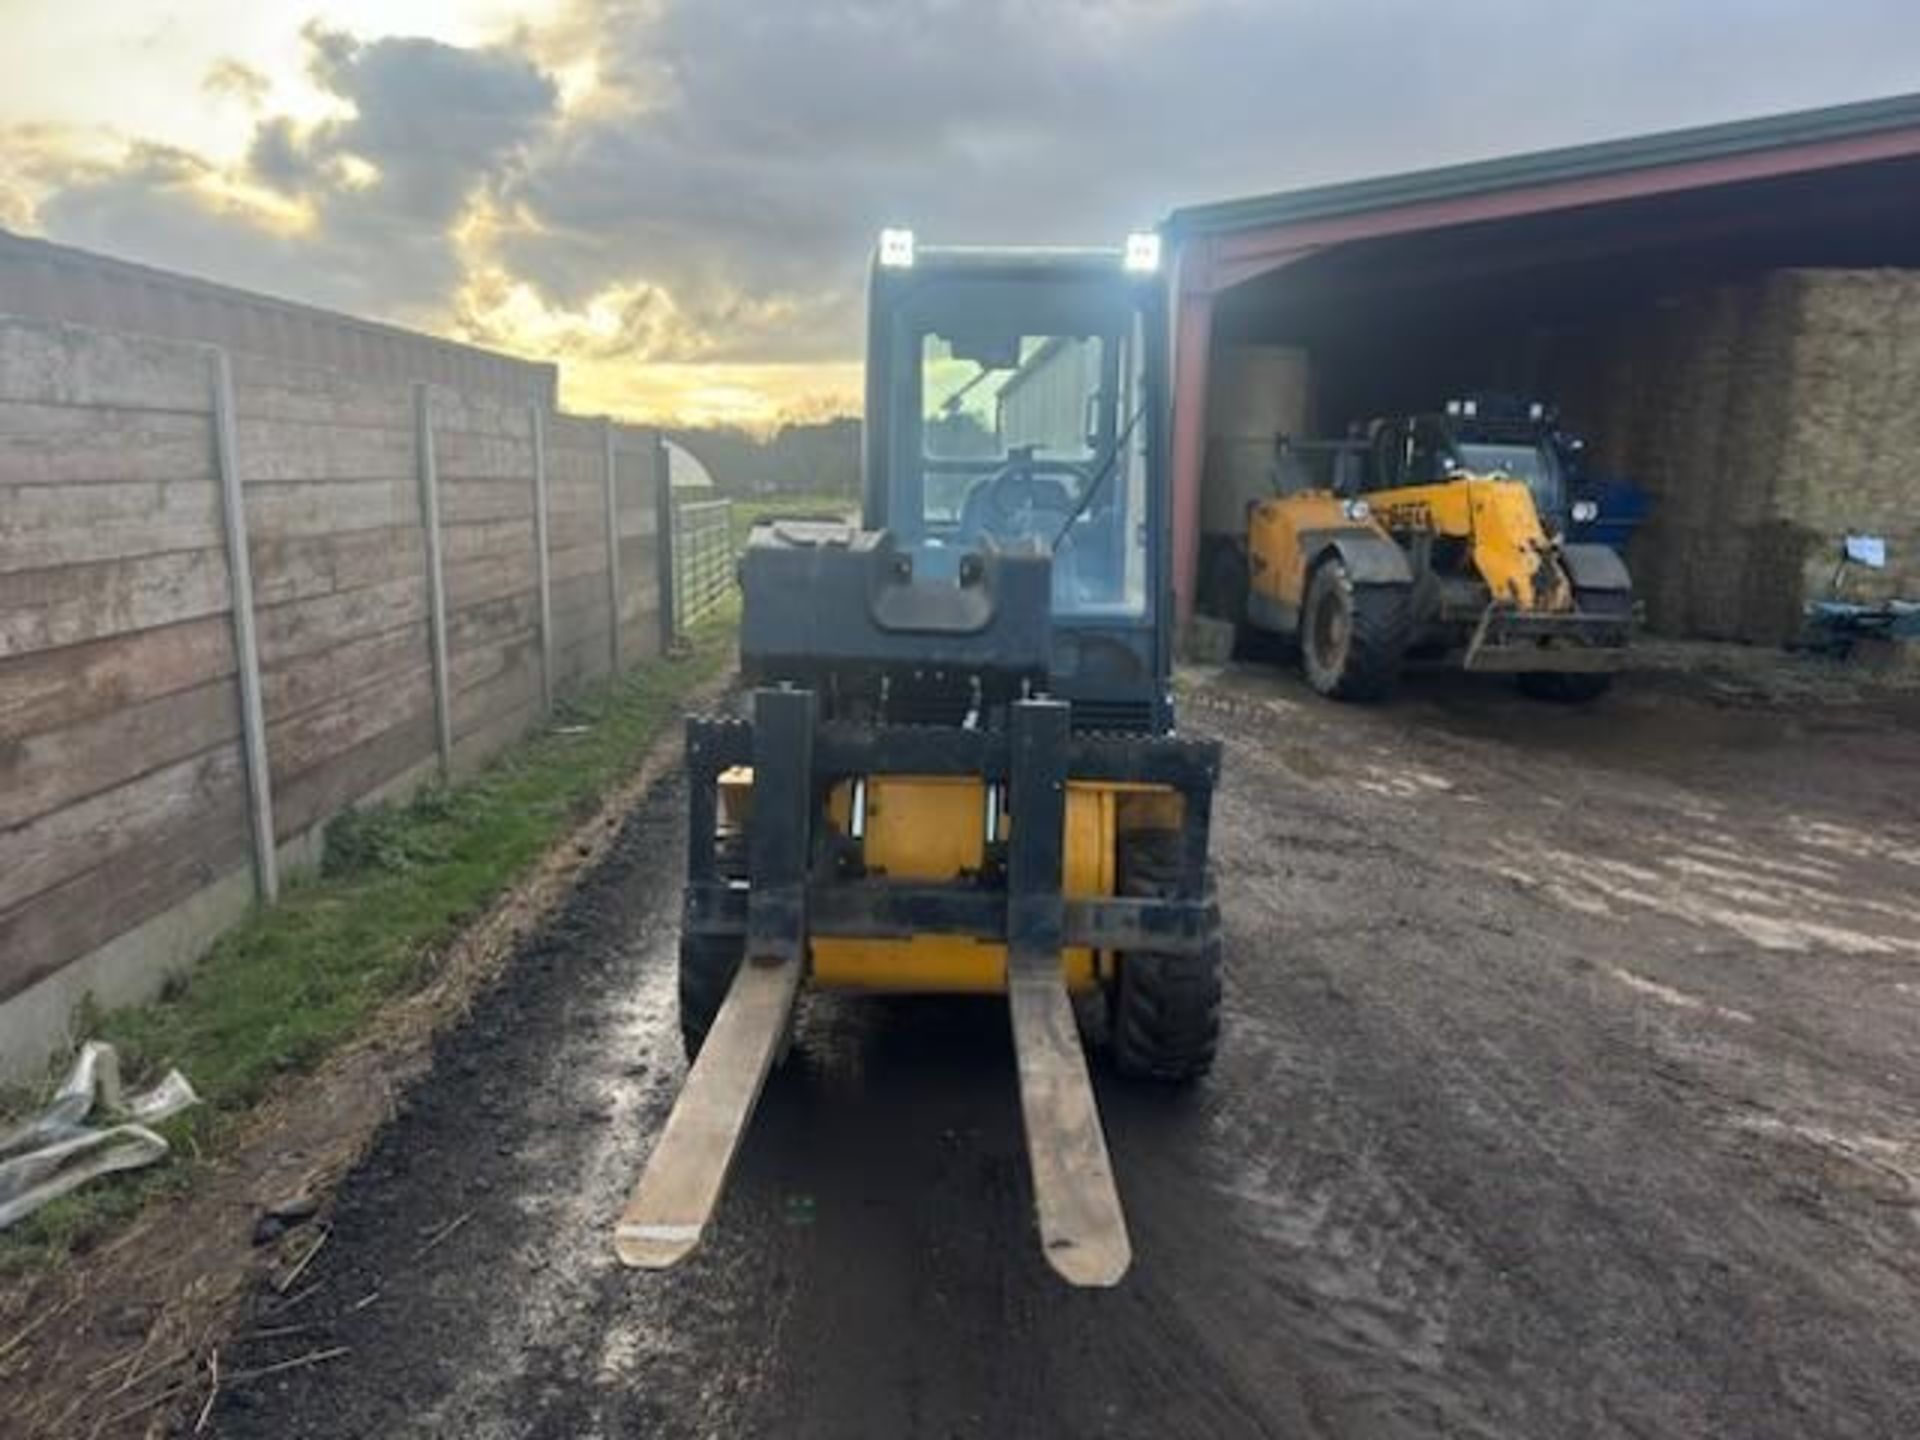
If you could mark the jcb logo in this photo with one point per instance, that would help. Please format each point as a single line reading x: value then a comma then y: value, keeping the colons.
x: 1408, y: 515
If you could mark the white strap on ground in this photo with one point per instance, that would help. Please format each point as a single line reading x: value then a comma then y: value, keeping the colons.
x: 56, y: 1151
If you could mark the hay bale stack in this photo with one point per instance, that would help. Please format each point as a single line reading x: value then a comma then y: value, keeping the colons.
x: 1659, y: 382
x: 1766, y: 419
x: 1850, y: 462
x: 1890, y: 502
x: 1701, y: 583
x: 1841, y: 357
x: 1239, y: 471
x: 1759, y: 403
x: 1615, y: 417
x: 1255, y: 393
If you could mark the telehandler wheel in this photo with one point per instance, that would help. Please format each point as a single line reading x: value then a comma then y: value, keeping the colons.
x: 1352, y: 637
x: 1563, y: 689
x: 707, y: 967
x: 1166, y: 1007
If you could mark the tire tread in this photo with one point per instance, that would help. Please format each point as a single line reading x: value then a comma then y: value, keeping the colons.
x: 1381, y: 621
x: 1166, y: 1011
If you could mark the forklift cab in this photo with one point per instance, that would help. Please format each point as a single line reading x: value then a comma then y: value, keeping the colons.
x: 1014, y: 404
x: 1485, y: 435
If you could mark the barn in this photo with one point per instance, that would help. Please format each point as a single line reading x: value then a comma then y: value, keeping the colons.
x: 1728, y: 315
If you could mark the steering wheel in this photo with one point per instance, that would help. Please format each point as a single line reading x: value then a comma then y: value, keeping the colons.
x: 1008, y: 504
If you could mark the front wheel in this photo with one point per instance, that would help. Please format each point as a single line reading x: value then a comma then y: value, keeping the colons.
x: 1166, y: 1007
x: 1352, y: 637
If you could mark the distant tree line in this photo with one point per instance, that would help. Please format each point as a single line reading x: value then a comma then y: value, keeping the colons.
x: 802, y: 458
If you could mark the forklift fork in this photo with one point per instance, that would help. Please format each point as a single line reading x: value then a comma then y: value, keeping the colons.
x: 667, y: 1214
x: 1083, y: 1230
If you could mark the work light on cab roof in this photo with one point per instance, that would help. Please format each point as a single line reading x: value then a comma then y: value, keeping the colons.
x: 1142, y: 256
x: 1139, y: 256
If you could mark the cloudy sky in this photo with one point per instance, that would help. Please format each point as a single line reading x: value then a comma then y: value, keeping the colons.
x: 675, y: 197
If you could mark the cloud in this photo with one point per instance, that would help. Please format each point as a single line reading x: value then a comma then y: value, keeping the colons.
x: 695, y: 183
x: 228, y: 78
x: 431, y: 120
x: 743, y: 155
x: 279, y: 156
x: 36, y: 159
x: 357, y: 211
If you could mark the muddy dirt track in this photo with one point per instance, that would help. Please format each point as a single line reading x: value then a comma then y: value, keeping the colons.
x: 1572, y: 1087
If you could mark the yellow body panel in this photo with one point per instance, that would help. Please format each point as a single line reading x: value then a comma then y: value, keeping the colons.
x: 919, y: 827
x: 1276, y: 560
x: 1510, y: 550
x: 933, y: 828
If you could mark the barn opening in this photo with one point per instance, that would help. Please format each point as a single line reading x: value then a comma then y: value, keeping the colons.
x: 1735, y: 335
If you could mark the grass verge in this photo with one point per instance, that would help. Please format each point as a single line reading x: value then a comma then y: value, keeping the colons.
x: 294, y: 982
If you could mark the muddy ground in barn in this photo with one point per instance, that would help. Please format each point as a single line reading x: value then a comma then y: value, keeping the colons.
x: 1571, y: 1087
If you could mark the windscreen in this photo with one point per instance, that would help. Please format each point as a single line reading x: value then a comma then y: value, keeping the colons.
x: 1040, y: 396
x: 1528, y: 463
x: 1026, y: 427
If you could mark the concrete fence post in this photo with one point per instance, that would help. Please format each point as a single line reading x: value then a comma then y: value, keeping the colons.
x: 613, y: 544
x: 542, y: 555
x: 246, y: 645
x: 665, y: 559
x: 436, y: 577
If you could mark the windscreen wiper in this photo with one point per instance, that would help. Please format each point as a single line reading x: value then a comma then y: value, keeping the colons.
x: 1099, y: 476
x: 952, y: 402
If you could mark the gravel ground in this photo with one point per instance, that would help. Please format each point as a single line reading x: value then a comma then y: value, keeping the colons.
x: 1570, y: 1089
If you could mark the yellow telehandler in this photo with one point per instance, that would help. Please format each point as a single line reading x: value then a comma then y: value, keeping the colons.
x: 1440, y: 535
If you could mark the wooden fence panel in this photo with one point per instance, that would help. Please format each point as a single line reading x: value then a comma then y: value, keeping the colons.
x: 339, y: 571
x: 576, y: 480
x: 121, y: 776
x: 125, y: 789
x: 484, y: 445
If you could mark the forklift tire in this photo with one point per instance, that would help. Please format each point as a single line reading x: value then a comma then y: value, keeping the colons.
x: 1166, y: 1007
x: 707, y: 967
x: 1579, y: 688
x: 1352, y: 637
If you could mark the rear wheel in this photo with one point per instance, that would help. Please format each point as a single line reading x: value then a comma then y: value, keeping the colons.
x: 1166, y: 1007
x: 708, y: 964
x: 1352, y: 637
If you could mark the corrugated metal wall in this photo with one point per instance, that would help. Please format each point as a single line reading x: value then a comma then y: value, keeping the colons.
x: 42, y: 281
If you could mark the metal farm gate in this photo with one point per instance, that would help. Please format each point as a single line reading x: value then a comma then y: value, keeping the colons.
x: 702, y: 558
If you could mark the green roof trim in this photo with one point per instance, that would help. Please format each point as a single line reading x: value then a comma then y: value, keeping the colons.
x: 1544, y: 167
